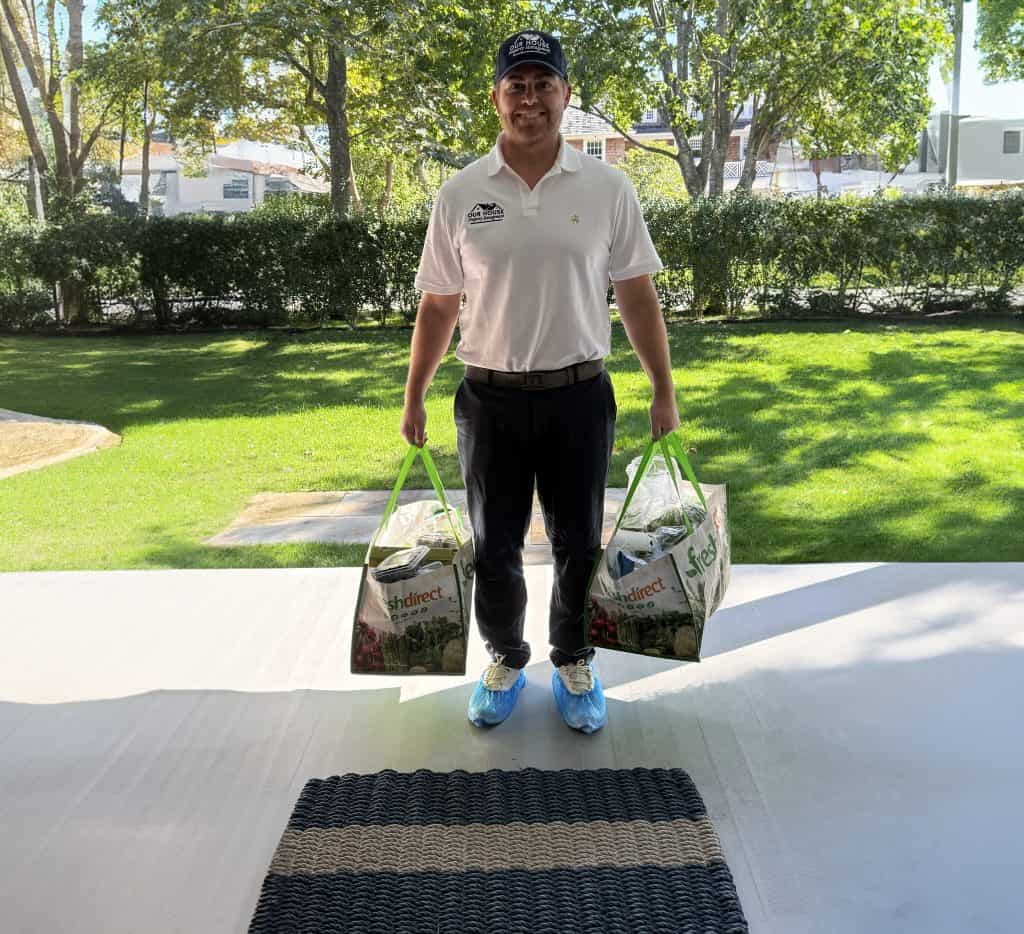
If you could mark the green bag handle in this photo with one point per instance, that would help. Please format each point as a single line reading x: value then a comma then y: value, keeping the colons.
x: 403, y: 472
x: 670, y: 447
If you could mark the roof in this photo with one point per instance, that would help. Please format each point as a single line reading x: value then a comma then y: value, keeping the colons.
x: 306, y: 183
x: 251, y: 165
x: 577, y: 122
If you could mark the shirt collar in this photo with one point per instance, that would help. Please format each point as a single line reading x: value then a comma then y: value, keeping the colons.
x: 568, y: 159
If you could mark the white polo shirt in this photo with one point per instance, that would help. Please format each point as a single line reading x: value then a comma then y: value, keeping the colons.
x: 535, y: 265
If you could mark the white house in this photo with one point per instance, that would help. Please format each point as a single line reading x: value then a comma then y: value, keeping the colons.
x: 991, y: 155
x: 991, y: 149
x: 238, y: 177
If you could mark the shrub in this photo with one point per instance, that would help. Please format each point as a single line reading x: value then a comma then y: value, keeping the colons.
x: 293, y: 260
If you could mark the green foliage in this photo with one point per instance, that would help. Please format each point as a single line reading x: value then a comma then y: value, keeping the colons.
x: 837, y: 256
x: 292, y: 261
x: 837, y: 75
x: 1000, y: 39
x: 13, y: 205
x: 654, y: 177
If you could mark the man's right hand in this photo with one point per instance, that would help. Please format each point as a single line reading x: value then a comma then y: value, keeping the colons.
x: 414, y: 422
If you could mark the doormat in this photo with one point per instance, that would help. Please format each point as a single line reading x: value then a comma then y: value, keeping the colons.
x: 515, y: 852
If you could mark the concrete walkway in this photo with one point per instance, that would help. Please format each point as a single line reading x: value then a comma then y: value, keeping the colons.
x: 278, y: 518
x: 854, y: 730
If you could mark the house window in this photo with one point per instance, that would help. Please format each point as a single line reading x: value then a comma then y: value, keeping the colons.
x: 237, y: 188
x: 650, y: 116
x: 595, y: 147
x: 1011, y: 141
x: 278, y: 186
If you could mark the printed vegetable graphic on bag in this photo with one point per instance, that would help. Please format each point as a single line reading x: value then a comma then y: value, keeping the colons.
x: 415, y: 596
x: 667, y: 564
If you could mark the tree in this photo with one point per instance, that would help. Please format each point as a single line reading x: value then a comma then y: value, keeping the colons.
x: 134, y: 68
x: 54, y: 73
x: 392, y: 73
x: 1000, y: 39
x: 64, y: 127
x: 14, y: 154
x: 837, y: 76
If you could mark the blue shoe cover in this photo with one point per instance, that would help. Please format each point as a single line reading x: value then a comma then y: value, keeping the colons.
x: 583, y: 712
x: 489, y: 708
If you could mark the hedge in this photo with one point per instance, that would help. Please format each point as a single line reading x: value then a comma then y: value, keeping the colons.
x: 731, y: 255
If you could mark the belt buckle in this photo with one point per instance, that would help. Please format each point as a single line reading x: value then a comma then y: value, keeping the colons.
x: 533, y: 380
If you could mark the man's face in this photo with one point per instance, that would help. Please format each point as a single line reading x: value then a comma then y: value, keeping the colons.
x: 530, y: 101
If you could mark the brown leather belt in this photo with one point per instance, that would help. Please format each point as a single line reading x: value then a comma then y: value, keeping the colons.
x: 536, y: 379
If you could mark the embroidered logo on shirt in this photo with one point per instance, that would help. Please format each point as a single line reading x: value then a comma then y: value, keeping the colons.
x: 485, y: 212
x: 575, y: 218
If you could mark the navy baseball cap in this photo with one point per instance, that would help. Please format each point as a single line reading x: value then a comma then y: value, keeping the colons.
x: 530, y: 47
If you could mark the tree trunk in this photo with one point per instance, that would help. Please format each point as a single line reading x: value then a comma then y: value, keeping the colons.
x: 124, y: 131
x: 755, y: 141
x: 353, y: 189
x: 337, y: 129
x: 146, y: 136
x: 9, y: 55
x: 76, y: 59
x: 36, y: 193
x: 73, y: 300
x: 420, y: 170
x: 389, y: 184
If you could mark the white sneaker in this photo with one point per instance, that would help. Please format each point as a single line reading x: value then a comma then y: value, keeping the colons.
x: 499, y: 677
x: 577, y: 677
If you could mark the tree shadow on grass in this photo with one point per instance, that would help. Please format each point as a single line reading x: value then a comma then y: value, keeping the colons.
x: 763, y: 434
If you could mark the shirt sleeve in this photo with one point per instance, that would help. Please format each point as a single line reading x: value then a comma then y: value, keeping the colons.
x: 632, y: 250
x: 440, y: 269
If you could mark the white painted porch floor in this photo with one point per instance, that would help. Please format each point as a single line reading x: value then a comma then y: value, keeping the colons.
x: 855, y: 731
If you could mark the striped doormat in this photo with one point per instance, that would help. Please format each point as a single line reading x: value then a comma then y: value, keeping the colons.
x: 607, y: 850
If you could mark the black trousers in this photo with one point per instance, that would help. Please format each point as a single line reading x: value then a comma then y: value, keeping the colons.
x: 562, y: 439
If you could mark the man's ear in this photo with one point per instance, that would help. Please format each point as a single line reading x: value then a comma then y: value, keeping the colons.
x: 494, y: 96
x: 568, y: 94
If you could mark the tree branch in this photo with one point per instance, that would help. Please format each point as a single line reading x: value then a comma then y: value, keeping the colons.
x: 79, y: 161
x: 324, y: 163
x: 607, y: 119
x: 306, y: 73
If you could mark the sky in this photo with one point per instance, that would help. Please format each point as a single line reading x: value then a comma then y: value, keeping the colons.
x: 997, y: 100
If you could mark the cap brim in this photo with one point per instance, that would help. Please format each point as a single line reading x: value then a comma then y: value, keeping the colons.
x: 532, y: 61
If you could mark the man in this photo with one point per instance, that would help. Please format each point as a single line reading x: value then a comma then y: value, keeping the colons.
x: 532, y: 233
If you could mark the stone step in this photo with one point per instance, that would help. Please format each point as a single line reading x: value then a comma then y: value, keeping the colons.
x: 354, y: 516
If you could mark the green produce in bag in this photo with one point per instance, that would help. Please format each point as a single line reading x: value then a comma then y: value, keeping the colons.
x: 660, y: 608
x: 420, y: 624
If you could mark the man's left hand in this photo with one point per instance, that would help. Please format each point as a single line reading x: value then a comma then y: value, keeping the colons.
x: 664, y: 415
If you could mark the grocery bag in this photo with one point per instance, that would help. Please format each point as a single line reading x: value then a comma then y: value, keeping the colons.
x: 416, y: 593
x: 659, y: 605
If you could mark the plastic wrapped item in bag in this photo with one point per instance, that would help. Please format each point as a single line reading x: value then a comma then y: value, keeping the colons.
x: 667, y: 536
x: 401, y: 565
x: 437, y: 540
x: 639, y: 544
x: 424, y: 517
x: 628, y: 563
x: 656, y: 501
x: 429, y: 568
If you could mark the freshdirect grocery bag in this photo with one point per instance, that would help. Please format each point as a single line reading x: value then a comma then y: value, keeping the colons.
x: 667, y: 564
x: 416, y: 592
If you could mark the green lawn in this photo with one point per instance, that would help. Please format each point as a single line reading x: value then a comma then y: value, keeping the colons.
x: 839, y: 442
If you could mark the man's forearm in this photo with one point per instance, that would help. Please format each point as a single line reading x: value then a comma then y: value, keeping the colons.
x: 645, y: 328
x: 431, y: 337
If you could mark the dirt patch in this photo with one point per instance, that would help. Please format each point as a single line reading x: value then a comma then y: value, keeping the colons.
x: 28, y: 442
